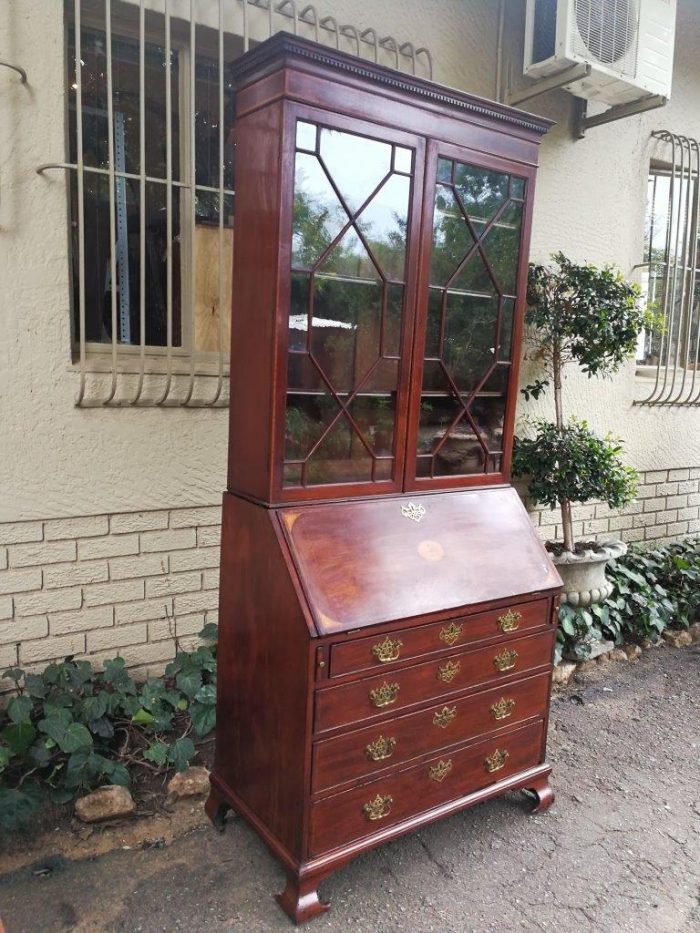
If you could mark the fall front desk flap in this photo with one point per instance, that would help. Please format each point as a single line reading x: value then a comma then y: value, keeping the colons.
x: 373, y: 561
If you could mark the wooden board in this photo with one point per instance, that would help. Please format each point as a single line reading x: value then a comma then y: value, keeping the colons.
x: 207, y: 308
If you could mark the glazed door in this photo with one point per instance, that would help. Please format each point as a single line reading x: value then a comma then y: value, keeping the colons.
x: 352, y: 286
x: 472, y: 286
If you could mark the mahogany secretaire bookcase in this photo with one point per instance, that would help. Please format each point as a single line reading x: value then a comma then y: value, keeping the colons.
x: 387, y: 612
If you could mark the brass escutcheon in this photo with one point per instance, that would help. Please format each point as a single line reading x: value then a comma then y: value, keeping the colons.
x: 444, y: 716
x: 440, y: 771
x: 380, y: 749
x: 505, y: 661
x: 496, y: 761
x: 510, y: 621
x: 387, y: 650
x: 502, y: 709
x: 447, y: 672
x: 378, y: 808
x: 450, y: 633
x: 384, y: 695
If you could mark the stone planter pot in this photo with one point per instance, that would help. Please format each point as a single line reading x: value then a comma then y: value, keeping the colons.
x: 583, y: 574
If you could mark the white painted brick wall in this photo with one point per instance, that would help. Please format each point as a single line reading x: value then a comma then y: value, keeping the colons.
x: 138, y: 584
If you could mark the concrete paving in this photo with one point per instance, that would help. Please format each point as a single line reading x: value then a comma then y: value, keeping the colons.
x: 618, y: 851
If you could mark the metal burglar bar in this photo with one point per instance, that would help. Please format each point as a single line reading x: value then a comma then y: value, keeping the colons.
x: 674, y: 280
x: 150, y: 180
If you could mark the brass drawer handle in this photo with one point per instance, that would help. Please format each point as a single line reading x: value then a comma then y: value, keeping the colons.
x: 387, y: 650
x: 510, y: 621
x: 496, y: 761
x: 384, y: 695
x: 447, y: 672
x: 505, y: 661
x: 450, y: 633
x: 378, y: 808
x: 380, y: 749
x: 444, y: 717
x: 440, y: 771
x: 502, y: 709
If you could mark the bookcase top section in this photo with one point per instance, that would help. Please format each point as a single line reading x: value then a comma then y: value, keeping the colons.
x: 286, y: 50
x: 374, y: 561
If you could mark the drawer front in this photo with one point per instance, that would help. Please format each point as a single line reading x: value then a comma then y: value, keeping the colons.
x: 364, y: 810
x: 383, y: 651
x: 397, y: 689
x: 367, y: 751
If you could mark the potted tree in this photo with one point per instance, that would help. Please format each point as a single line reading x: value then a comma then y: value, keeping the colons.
x: 578, y: 314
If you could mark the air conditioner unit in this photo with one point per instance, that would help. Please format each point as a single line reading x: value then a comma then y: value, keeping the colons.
x: 627, y: 44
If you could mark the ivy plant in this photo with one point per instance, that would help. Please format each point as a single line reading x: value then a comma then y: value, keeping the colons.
x: 71, y: 728
x: 590, y: 317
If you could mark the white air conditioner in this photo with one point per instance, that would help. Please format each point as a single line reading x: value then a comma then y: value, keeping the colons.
x: 627, y: 44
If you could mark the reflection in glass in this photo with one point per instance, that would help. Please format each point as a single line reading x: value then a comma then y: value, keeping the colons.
x: 346, y: 307
x: 474, y: 264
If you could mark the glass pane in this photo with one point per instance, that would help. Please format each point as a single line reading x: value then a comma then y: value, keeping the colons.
x: 292, y: 474
x: 345, y: 329
x: 444, y: 172
x: 318, y: 215
x: 497, y: 381
x: 356, y: 164
x: 383, y: 469
x: 403, y: 160
x: 475, y: 277
x: 433, y: 324
x: 487, y: 414
x: 470, y: 332
x: 392, y: 320
x: 340, y: 458
x: 451, y: 237
x: 506, y: 341
x: 308, y: 416
x: 517, y: 187
x: 502, y: 246
x: 482, y: 192
x: 383, y: 223
x: 298, y: 311
x: 349, y: 258
x: 437, y: 413
x: 306, y: 136
x: 375, y: 416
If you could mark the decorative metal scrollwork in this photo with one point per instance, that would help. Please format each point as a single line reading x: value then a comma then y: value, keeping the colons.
x: 413, y: 511
x: 502, y: 709
x: 380, y: 749
x: 496, y: 761
x: 450, y: 633
x: 505, y: 661
x: 384, y: 695
x: 387, y: 650
x: 510, y: 621
x: 447, y: 672
x: 378, y: 808
x: 440, y: 771
x: 444, y: 716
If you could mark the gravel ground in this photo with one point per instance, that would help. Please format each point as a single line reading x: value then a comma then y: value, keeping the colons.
x: 618, y: 851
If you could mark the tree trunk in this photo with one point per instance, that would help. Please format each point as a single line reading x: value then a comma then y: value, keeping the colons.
x: 564, y: 504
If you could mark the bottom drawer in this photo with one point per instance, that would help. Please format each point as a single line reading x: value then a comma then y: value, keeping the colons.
x: 364, y: 810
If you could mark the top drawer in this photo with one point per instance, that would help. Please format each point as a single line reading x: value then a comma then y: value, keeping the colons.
x: 381, y: 651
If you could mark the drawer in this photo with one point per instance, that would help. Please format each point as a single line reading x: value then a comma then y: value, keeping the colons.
x: 364, y: 810
x: 397, y: 689
x: 384, y: 650
x: 365, y: 752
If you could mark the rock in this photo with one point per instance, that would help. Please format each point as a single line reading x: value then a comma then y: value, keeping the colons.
x: 562, y: 673
x: 105, y: 803
x: 633, y: 652
x: 191, y: 783
x: 678, y: 639
x: 596, y: 649
x: 695, y: 631
x: 588, y: 665
x: 617, y: 654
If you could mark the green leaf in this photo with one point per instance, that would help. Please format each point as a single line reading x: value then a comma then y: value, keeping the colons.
x: 142, y: 717
x: 19, y: 736
x: 206, y: 695
x: 75, y: 738
x: 19, y: 709
x: 180, y: 753
x: 13, y: 673
x: 94, y: 707
x: 189, y: 683
x: 55, y: 724
x: 203, y: 718
x: 210, y: 632
x: 157, y: 753
x: 35, y: 687
x: 5, y: 754
x: 16, y: 808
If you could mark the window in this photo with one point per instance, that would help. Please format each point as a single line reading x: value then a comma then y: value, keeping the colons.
x: 670, y: 355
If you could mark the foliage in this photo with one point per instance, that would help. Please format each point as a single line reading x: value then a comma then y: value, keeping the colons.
x: 588, y: 316
x: 653, y: 589
x: 71, y: 728
x: 572, y: 463
x: 593, y: 315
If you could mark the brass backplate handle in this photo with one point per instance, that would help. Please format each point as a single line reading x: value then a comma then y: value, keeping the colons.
x: 443, y: 717
x: 496, y: 761
x: 378, y: 808
x: 450, y: 633
x: 380, y: 749
x: 440, y: 771
x: 447, y: 672
x: 387, y: 650
x: 505, y: 661
x: 503, y: 708
x: 384, y: 695
x: 510, y: 621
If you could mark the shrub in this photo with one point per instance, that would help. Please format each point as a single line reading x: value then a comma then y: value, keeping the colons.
x: 71, y: 729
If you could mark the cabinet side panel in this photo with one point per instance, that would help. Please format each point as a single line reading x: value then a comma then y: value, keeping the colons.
x: 255, y: 267
x: 263, y: 656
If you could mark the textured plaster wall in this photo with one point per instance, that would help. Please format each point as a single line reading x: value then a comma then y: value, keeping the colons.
x: 57, y: 460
